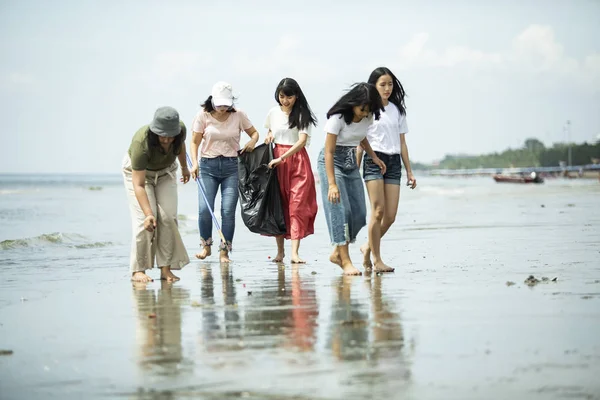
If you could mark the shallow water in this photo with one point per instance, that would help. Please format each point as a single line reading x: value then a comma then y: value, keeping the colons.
x: 445, y: 325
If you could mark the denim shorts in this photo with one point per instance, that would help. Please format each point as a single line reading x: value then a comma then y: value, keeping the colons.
x: 393, y: 173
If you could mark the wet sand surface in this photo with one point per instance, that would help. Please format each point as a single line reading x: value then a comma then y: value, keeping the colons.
x: 448, y: 324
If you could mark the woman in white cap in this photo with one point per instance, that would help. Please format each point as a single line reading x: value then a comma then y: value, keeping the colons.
x: 149, y: 171
x: 218, y: 126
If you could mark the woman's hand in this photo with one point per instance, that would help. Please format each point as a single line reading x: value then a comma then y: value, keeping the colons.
x: 185, y: 175
x: 275, y: 162
x: 381, y: 164
x: 249, y: 147
x: 333, y: 194
x: 269, y: 138
x: 410, y: 180
x: 150, y: 223
x: 195, y: 171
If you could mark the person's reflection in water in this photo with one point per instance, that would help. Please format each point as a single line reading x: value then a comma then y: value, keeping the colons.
x: 372, y: 339
x: 159, y: 329
x: 349, y: 322
x: 269, y: 311
x: 305, y: 312
x: 388, y: 337
x: 215, y: 327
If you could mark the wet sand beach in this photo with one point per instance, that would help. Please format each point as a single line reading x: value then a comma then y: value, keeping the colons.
x: 455, y: 321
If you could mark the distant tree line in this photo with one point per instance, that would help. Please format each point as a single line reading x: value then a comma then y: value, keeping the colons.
x: 532, y: 154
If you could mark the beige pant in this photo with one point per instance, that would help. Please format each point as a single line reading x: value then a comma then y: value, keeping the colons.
x: 165, y: 243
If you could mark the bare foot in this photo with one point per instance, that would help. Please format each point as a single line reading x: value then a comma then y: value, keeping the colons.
x: 204, y: 253
x: 297, y: 260
x: 335, y: 258
x: 167, y: 275
x: 366, y: 252
x: 279, y: 257
x: 382, y: 267
x: 140, y: 276
x: 224, y: 257
x: 350, y: 269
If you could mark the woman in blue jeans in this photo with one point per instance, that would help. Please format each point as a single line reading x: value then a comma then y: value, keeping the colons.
x: 218, y: 127
x: 341, y: 184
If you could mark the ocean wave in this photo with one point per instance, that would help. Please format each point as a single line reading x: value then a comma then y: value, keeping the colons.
x: 71, y: 240
x: 16, y: 191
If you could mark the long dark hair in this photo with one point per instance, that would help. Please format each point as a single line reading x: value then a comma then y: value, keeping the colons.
x: 208, y: 105
x: 361, y: 94
x: 176, y: 145
x: 301, y: 115
x: 398, y: 94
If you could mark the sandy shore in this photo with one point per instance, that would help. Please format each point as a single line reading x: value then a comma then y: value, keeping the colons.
x: 449, y: 324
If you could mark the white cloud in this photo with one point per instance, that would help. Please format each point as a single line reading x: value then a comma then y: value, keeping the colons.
x: 535, y: 51
x: 415, y: 54
x: 287, y: 58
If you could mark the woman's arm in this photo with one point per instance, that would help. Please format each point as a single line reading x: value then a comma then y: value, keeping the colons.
x: 359, y: 154
x: 330, y: 142
x: 253, y: 133
x: 411, y: 181
x: 185, y: 172
x: 194, y: 145
x: 367, y: 146
x: 299, y: 145
x: 138, y: 179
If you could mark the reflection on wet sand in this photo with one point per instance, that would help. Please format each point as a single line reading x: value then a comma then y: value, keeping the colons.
x: 283, y: 313
x: 219, y: 324
x: 158, y: 332
x: 359, y: 349
x: 305, y: 312
x: 387, y: 333
x: 368, y: 333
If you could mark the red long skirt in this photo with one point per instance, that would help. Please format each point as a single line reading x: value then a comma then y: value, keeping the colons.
x: 298, y: 193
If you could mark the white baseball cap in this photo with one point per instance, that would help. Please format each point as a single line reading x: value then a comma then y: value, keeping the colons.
x: 222, y: 94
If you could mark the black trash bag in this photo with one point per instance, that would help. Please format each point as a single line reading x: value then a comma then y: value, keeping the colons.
x: 260, y: 199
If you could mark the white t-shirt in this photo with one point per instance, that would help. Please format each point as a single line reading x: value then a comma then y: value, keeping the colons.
x: 384, y: 133
x: 348, y: 134
x: 278, y: 123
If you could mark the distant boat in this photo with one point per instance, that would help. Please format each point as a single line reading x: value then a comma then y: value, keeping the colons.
x: 533, y: 178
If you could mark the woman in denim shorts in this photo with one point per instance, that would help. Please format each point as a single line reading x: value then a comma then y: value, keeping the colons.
x: 218, y: 127
x: 341, y: 185
x: 386, y: 137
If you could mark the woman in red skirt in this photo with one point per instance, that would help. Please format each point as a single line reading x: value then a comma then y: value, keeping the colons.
x: 289, y: 124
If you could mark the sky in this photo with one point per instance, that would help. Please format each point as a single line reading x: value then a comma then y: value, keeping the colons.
x: 78, y: 78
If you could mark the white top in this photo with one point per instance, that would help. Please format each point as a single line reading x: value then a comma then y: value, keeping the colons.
x: 278, y: 123
x: 348, y: 134
x: 384, y: 133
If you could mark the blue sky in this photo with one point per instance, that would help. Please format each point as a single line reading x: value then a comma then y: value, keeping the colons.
x: 78, y: 78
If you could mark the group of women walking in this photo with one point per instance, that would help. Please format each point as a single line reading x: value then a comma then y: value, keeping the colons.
x: 370, y: 118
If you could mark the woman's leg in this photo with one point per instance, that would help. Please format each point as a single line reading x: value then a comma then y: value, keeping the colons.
x: 142, y: 249
x: 392, y: 199
x: 375, y: 188
x: 280, y: 249
x: 205, y: 223
x: 345, y: 262
x: 302, y: 201
x: 342, y: 223
x: 229, y: 200
x: 170, y: 250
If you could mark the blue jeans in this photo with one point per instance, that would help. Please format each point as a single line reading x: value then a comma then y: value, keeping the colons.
x: 215, y: 172
x: 346, y: 218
